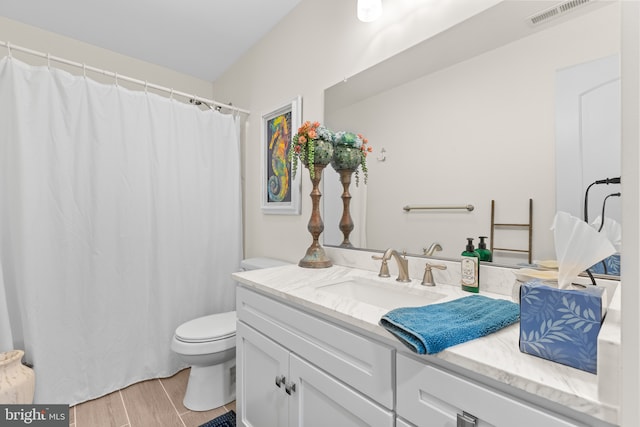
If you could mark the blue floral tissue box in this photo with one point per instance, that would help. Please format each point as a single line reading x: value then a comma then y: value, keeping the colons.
x: 561, y: 325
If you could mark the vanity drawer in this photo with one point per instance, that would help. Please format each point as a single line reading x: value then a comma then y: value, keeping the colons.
x: 364, y: 364
x: 427, y: 395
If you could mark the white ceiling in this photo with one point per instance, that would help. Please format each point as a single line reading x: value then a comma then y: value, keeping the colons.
x: 201, y: 38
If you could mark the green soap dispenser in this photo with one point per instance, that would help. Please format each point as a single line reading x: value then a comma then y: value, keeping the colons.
x: 485, y: 254
x: 470, y: 268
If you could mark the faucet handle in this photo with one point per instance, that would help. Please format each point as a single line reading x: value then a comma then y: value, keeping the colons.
x: 384, y: 268
x: 435, y: 246
x: 427, y: 279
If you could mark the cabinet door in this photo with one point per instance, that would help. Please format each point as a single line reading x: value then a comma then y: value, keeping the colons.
x: 320, y: 400
x: 430, y: 396
x: 260, y: 364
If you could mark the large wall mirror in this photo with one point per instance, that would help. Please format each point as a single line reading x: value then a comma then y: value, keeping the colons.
x: 472, y: 116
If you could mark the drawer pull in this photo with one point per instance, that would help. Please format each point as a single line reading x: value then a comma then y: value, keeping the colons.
x: 280, y: 379
x: 290, y: 388
x: 466, y: 420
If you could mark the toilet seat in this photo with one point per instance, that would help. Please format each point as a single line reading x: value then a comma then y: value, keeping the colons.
x: 202, y: 348
x: 208, y: 328
x: 205, y: 335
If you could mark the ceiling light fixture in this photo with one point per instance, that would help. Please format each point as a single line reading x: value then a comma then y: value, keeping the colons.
x: 369, y: 10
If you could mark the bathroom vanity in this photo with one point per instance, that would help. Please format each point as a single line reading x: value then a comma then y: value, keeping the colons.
x: 310, y: 352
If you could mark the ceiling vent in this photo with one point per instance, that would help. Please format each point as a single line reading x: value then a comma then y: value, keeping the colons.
x: 556, y: 11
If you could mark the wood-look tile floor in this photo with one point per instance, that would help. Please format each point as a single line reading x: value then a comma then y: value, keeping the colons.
x: 152, y: 403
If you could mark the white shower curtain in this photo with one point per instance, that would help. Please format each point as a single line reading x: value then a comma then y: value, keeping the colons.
x: 120, y: 218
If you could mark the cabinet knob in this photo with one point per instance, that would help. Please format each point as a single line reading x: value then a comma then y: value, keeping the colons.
x: 466, y: 420
x: 280, y: 379
x: 290, y: 388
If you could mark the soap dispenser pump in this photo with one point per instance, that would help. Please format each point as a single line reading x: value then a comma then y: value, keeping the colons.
x: 470, y: 268
x: 484, y: 253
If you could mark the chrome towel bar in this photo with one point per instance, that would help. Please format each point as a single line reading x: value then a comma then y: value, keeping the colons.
x: 410, y: 207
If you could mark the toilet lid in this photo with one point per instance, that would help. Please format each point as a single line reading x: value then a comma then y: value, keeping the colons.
x: 208, y: 328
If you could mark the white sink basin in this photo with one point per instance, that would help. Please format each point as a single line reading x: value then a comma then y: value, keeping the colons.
x: 386, y: 295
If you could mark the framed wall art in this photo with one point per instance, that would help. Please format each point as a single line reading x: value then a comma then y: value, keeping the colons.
x: 280, y: 190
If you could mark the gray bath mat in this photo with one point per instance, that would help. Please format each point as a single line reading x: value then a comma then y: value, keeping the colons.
x: 224, y: 420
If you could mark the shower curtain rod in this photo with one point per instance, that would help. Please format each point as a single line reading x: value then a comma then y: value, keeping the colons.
x: 118, y: 77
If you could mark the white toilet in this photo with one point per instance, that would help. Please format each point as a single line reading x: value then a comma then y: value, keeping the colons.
x: 208, y: 345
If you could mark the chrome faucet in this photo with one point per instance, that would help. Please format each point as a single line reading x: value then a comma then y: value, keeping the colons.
x: 435, y: 246
x: 403, y: 264
x: 427, y: 279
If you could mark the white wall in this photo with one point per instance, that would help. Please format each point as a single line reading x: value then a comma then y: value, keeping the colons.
x: 630, y: 73
x: 318, y: 44
x: 39, y: 40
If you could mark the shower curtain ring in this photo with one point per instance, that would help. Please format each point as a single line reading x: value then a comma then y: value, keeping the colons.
x: 171, y: 94
x: 116, y: 75
x: 48, y: 60
x: 145, y: 86
x: 9, y: 50
x: 84, y: 70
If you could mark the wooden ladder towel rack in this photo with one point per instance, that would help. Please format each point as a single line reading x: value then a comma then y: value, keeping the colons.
x: 528, y: 226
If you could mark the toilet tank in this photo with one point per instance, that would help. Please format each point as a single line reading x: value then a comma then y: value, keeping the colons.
x: 260, y: 262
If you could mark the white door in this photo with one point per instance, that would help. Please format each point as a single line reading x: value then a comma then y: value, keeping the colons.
x: 262, y: 368
x: 319, y: 400
x: 588, y: 137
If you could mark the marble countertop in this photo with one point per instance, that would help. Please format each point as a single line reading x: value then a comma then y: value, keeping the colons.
x: 496, y: 356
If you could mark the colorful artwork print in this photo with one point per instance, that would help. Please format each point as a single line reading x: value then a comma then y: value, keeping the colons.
x: 280, y: 193
x: 278, y: 171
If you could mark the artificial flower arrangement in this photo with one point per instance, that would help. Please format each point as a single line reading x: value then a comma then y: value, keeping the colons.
x: 352, y: 140
x: 303, y: 144
x: 304, y: 147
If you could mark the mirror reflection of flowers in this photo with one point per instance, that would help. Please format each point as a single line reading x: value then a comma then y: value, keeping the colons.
x: 305, y: 145
x: 345, y: 157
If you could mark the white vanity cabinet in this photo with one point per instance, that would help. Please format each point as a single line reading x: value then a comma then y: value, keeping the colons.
x: 430, y: 396
x: 342, y: 368
x: 294, y: 369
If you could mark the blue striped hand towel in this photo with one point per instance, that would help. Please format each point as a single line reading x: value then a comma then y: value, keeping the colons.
x: 432, y: 328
